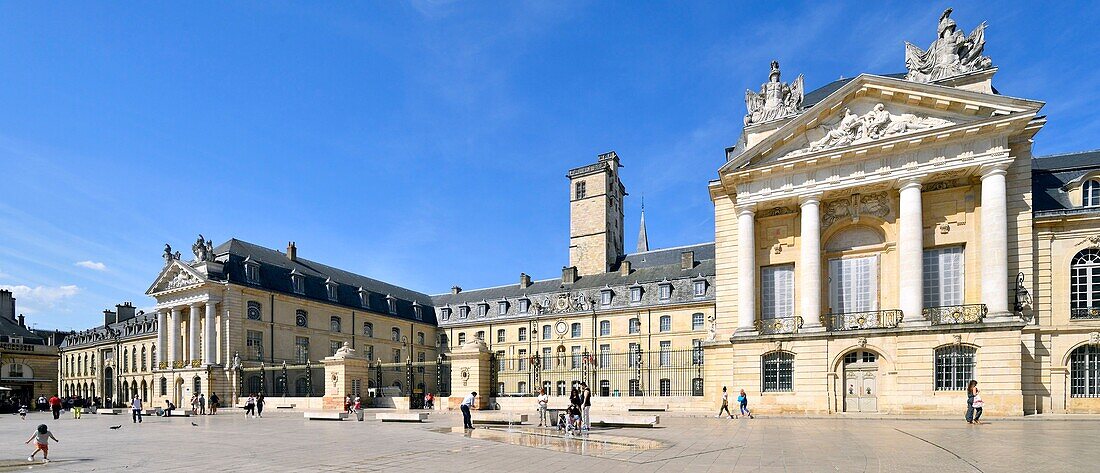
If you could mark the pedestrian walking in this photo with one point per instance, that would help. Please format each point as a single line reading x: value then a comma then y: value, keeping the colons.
x: 214, y: 401
x: 202, y: 404
x: 725, y: 404
x: 974, y: 403
x: 347, y: 403
x: 135, y: 409
x: 250, y: 406
x: 544, y: 412
x: 78, y: 407
x: 743, y: 402
x: 586, y: 406
x: 260, y: 405
x: 55, y: 406
x: 42, y: 404
x: 41, y: 437
x: 23, y: 412
x: 195, y: 404
x: 467, y: 404
x: 358, y: 407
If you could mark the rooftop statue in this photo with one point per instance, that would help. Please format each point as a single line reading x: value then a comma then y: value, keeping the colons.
x: 951, y: 54
x: 203, y: 249
x: 776, y: 99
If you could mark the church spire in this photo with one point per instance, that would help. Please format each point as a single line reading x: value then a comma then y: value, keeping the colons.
x: 643, y: 240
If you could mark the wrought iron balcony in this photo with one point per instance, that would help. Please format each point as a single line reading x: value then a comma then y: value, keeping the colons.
x: 1085, y: 313
x: 956, y: 314
x: 863, y: 320
x: 779, y: 325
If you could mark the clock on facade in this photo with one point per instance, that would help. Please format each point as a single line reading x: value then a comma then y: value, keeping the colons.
x: 300, y: 320
x: 561, y: 327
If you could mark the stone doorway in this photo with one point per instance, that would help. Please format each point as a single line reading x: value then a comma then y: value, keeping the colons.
x: 861, y: 381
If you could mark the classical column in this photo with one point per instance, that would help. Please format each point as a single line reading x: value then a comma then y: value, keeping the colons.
x: 193, y: 333
x: 208, y: 326
x: 911, y: 253
x: 994, y: 244
x: 810, y: 262
x: 174, y: 337
x: 746, y: 270
x: 162, y: 338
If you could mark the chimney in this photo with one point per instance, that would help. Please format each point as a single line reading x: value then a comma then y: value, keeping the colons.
x: 455, y: 289
x: 109, y: 317
x: 624, y: 268
x: 125, y: 311
x: 568, y: 274
x: 687, y: 259
x: 22, y: 321
x: 291, y: 251
x: 7, y: 305
x: 524, y: 281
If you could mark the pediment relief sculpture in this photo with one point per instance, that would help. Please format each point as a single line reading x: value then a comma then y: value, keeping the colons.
x: 951, y: 54
x: 877, y: 205
x: 776, y: 99
x: 876, y: 124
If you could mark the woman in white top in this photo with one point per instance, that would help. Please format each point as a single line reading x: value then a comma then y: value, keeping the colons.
x: 544, y: 416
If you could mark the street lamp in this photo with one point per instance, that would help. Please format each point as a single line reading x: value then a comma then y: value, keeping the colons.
x: 117, y: 335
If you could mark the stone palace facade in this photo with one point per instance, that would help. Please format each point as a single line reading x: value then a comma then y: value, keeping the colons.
x: 879, y: 242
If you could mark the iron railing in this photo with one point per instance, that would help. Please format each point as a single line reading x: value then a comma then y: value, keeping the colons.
x: 1084, y: 313
x: 779, y: 325
x: 636, y: 373
x: 863, y: 320
x: 298, y: 380
x: 956, y: 314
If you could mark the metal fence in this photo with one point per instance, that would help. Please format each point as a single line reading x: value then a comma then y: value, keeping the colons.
x: 637, y: 373
x: 282, y: 379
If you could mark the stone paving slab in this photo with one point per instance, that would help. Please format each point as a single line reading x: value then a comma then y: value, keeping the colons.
x: 284, y: 441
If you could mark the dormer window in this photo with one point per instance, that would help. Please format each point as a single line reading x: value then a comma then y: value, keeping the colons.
x: 524, y: 305
x: 418, y: 311
x: 665, y: 291
x: 482, y: 310
x: 331, y: 286
x: 463, y: 312
x: 391, y: 304
x: 1090, y: 193
x: 364, y: 297
x: 605, y: 297
x: 699, y: 288
x: 636, y: 294
x: 251, y: 271
x: 445, y: 313
x: 502, y: 308
x: 297, y: 283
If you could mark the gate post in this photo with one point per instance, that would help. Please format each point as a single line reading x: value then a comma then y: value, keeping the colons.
x: 340, y: 369
x: 470, y: 372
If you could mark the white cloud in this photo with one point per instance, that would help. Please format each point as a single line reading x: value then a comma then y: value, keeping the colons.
x: 92, y: 265
x: 34, y: 299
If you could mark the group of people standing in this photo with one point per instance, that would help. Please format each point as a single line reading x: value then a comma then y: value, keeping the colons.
x: 742, y: 403
x: 576, y: 417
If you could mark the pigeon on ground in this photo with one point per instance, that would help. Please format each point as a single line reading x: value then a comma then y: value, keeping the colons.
x: 194, y: 424
x: 116, y: 427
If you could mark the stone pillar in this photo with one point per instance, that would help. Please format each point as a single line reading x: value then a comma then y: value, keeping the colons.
x: 174, y: 337
x: 208, y: 345
x: 994, y: 244
x: 341, y: 370
x: 911, y: 254
x: 162, y: 338
x: 470, y: 371
x: 746, y: 271
x: 193, y: 333
x: 810, y: 262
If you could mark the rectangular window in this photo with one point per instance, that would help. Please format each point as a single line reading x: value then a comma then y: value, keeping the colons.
x: 954, y: 367
x: 605, y: 298
x: 635, y: 355
x: 853, y: 284
x: 334, y: 345
x: 299, y: 284
x: 666, y: 323
x: 461, y: 338
x: 482, y: 310
x: 778, y: 372
x: 666, y: 292
x: 397, y: 355
x: 575, y: 330
x: 524, y: 306
x: 523, y: 334
x: 545, y: 332
x: 547, y: 353
x: 943, y: 276
x: 252, y: 273
x: 370, y: 352
x: 776, y: 291
x: 255, y: 344
x: 699, y: 288
x: 579, y: 191
x: 523, y: 360
x: 575, y: 358
x: 463, y: 312
x: 605, y: 327
x: 635, y: 294
x: 500, y: 336
x: 634, y: 326
x: 301, y: 349
x: 666, y: 387
x: 696, y: 352
x: 605, y: 356
x: 666, y: 353
x: 331, y: 292
x: 502, y: 308
x: 446, y: 313
x: 697, y: 321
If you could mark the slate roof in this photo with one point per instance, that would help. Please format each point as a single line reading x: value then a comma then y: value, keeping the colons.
x: 142, y: 324
x: 646, y: 267
x: 12, y: 328
x: 813, y: 97
x: 1049, y: 174
x: 275, y: 269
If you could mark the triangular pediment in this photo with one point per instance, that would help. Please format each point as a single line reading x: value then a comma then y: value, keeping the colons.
x: 175, y: 275
x: 869, y: 110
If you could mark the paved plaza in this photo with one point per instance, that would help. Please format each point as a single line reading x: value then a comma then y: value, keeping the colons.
x: 284, y: 441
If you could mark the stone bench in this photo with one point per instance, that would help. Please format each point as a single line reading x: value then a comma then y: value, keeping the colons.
x: 291, y: 406
x: 326, y: 415
x: 497, y: 418
x: 626, y: 420
x: 647, y: 409
x: 401, y: 416
x: 114, y: 412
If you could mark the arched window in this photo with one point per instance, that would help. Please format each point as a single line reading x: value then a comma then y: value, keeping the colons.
x: 133, y: 360
x: 778, y: 371
x: 666, y: 323
x: 634, y: 325
x: 153, y: 354
x: 395, y: 334
x: 143, y: 359
x: 196, y: 385
x: 125, y: 361
x: 334, y: 324
x: 301, y: 387
x: 1090, y: 193
x: 1084, y: 371
x: 144, y: 391
x: 368, y: 330
x: 1084, y: 295
x: 163, y: 386
x: 605, y: 327
x: 954, y: 367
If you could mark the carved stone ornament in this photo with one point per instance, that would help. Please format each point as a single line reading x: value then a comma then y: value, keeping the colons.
x: 877, y: 205
x: 951, y: 54
x: 958, y: 339
x: 777, y: 211
x: 876, y: 124
x: 778, y: 345
x: 465, y: 375
x: 944, y: 228
x: 712, y: 328
x: 1092, y: 241
x: 203, y: 250
x: 182, y: 279
x: 1094, y: 338
x: 776, y: 99
x: 168, y: 255
x: 938, y: 186
x: 335, y: 380
x: 862, y: 342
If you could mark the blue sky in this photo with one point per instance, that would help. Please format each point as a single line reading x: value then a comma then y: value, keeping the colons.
x: 423, y: 143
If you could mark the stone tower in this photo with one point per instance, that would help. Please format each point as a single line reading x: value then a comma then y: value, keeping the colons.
x: 596, y: 215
